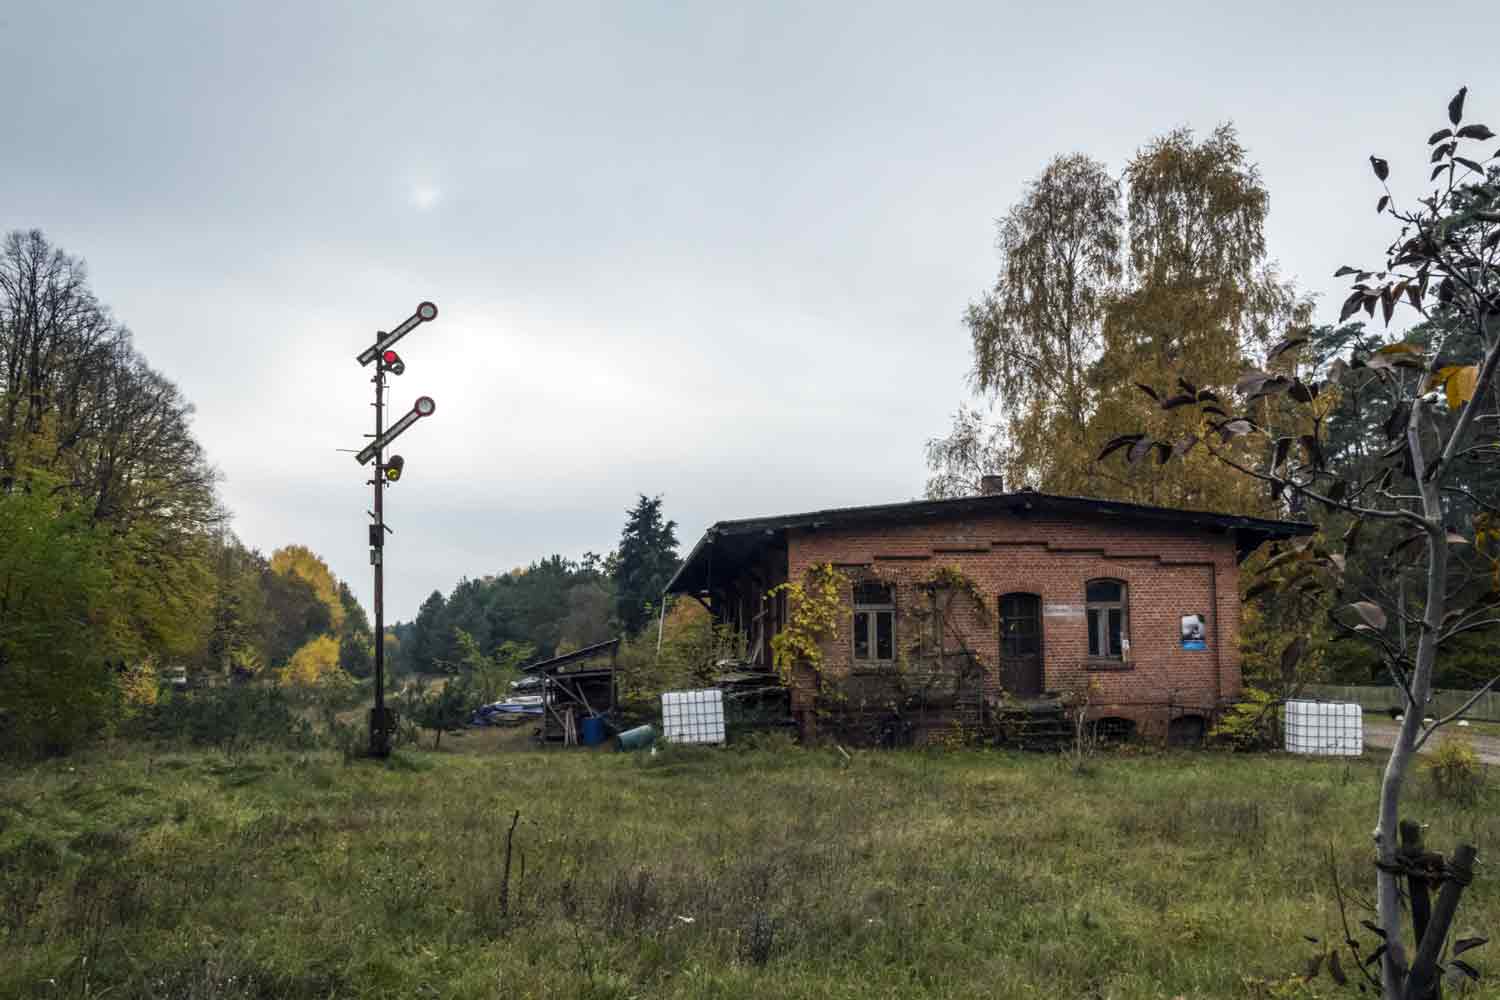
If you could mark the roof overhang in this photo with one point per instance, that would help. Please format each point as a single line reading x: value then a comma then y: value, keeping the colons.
x: 556, y: 664
x: 731, y: 543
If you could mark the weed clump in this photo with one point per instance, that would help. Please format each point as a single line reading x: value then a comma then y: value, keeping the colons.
x: 1455, y: 769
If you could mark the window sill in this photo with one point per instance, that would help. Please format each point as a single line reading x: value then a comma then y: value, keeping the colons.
x: 1101, y: 664
x: 872, y: 667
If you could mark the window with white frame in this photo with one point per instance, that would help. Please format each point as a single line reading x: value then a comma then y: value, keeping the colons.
x: 874, y: 623
x: 1108, y: 619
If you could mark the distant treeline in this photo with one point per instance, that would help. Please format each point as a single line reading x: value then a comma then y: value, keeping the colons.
x: 118, y: 569
x: 116, y: 562
x: 554, y: 605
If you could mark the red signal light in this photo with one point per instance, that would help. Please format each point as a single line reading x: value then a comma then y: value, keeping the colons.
x: 390, y: 357
x: 392, y: 362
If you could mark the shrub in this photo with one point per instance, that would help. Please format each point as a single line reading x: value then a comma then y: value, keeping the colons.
x: 60, y: 619
x: 1254, y: 723
x: 444, y: 709
x: 332, y: 693
x: 685, y: 657
x: 1455, y: 769
x: 765, y: 740
x: 231, y: 718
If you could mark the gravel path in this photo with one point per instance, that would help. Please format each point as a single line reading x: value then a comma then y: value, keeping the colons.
x: 1382, y: 733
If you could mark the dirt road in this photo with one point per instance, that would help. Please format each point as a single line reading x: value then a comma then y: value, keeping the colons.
x: 1382, y: 732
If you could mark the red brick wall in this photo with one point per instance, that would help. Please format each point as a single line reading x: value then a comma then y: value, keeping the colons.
x: 1169, y: 572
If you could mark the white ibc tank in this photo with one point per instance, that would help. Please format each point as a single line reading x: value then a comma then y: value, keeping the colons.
x: 1327, y: 728
x: 693, y: 716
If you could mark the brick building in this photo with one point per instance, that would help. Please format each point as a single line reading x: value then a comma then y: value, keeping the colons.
x: 961, y: 611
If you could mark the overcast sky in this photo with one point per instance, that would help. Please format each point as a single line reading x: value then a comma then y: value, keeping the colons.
x: 712, y: 252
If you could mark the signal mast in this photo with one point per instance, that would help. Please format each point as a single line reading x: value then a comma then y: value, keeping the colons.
x: 387, y: 472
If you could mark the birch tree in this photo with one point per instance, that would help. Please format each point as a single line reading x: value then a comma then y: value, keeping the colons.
x: 1037, y: 331
x: 1436, y: 397
x: 1097, y: 293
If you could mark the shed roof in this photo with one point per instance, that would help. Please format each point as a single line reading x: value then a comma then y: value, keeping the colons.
x: 732, y: 542
x: 577, y: 656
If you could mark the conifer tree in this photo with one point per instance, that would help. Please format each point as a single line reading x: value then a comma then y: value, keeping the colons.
x: 647, y: 560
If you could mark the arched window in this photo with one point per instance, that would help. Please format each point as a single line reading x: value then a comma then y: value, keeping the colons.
x: 1108, y: 619
x: 874, y: 623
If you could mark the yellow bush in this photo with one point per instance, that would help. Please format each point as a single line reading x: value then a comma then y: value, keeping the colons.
x: 316, y: 658
x: 1455, y: 768
x: 138, y: 685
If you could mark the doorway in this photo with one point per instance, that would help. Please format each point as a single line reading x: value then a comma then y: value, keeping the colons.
x: 1021, y: 644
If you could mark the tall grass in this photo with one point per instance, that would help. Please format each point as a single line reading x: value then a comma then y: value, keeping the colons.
x: 694, y: 873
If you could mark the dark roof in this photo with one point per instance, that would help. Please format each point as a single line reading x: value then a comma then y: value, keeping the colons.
x: 732, y: 542
x: 578, y: 655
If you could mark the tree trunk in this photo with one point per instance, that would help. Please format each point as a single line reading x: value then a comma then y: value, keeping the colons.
x: 1395, y: 966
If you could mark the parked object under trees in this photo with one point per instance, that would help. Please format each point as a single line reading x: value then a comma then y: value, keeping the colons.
x: 1441, y: 421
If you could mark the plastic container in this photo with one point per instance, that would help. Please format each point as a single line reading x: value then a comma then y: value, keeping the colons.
x: 693, y: 716
x: 592, y: 731
x: 638, y: 738
x: 1325, y: 728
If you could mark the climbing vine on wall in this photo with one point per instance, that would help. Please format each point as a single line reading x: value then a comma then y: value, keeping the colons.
x: 814, y: 607
x: 949, y: 660
x: 934, y: 656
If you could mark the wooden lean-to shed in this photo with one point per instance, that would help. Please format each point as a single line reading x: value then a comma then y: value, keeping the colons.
x: 576, y: 686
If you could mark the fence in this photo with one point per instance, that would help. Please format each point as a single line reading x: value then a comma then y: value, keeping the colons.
x: 1378, y: 699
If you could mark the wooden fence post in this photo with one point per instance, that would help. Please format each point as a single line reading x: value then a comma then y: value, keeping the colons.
x: 505, y: 879
x: 1423, y: 982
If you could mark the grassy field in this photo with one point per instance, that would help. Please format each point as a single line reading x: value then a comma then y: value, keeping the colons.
x: 688, y: 874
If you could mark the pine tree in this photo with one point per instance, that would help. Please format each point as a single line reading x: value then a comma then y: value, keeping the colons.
x: 427, y: 636
x: 647, y: 560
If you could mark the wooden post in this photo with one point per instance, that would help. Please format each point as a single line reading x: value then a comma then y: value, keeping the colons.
x: 505, y: 880
x: 1423, y: 983
x: 1416, y: 881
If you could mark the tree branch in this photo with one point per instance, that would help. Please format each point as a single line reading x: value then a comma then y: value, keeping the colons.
x: 1396, y: 515
x: 1456, y: 712
x: 1469, y: 627
x: 1464, y: 491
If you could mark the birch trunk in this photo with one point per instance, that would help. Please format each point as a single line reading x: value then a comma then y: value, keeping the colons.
x: 1395, y: 965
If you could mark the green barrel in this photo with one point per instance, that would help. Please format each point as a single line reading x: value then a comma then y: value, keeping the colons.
x: 638, y: 738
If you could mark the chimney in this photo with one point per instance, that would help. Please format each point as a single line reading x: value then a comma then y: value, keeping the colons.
x: 991, y: 485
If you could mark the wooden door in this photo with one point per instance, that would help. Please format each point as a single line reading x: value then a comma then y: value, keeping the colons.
x: 1021, y: 645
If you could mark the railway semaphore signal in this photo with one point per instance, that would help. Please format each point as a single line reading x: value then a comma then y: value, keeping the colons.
x: 426, y: 313
x: 423, y: 407
x: 387, y: 361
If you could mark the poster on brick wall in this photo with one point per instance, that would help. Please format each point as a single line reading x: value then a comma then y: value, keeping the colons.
x: 1194, y: 632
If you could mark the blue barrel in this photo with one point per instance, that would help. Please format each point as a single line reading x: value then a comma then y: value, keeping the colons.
x: 638, y: 738
x: 593, y: 731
